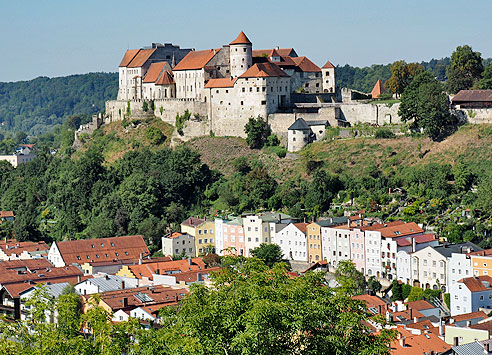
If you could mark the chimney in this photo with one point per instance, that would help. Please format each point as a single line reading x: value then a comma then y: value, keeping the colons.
x: 78, y: 278
x: 487, y: 347
x: 410, y: 313
x: 276, y: 47
x: 468, y: 323
x: 157, y: 271
x: 441, y: 329
x: 456, y: 341
x: 279, y: 218
x: 140, y: 259
x: 125, y: 301
x: 402, y: 341
x: 348, y: 222
x: 414, y: 245
x: 451, y: 321
x: 190, y: 262
x: 415, y: 319
x: 122, y: 284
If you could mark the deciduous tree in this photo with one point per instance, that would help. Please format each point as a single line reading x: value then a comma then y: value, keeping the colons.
x: 464, y: 70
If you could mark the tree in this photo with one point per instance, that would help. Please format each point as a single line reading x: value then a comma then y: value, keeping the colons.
x: 486, y: 81
x: 321, y: 190
x: 464, y: 70
x: 268, y: 253
x: 416, y: 293
x: 396, y: 291
x: 425, y: 104
x: 155, y: 135
x: 350, y: 280
x: 257, y: 131
x: 373, y: 284
x: 402, y: 75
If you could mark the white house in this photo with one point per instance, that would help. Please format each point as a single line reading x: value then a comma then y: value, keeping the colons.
x: 459, y: 266
x: 256, y: 231
x: 292, y: 241
x: 470, y: 294
x: 404, y: 266
x: 178, y: 243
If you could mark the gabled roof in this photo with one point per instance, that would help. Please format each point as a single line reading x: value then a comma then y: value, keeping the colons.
x: 398, y: 230
x: 166, y: 78
x: 195, y: 60
x: 299, y: 124
x: 478, y: 283
x: 469, y: 349
x: 107, y: 282
x: 14, y: 247
x: 103, y: 249
x: 220, y: 83
x: 468, y: 316
x: 328, y: 65
x: 154, y: 71
x: 378, y: 89
x: 4, y: 214
x: 263, y: 70
x: 473, y: 95
x: 420, y: 305
x: 162, y: 268
x: 127, y: 58
x: 486, y: 252
x: 305, y: 65
x: 419, y: 344
x: 141, y: 57
x: 241, y: 39
x: 448, y: 249
x: 301, y: 226
x: 173, y: 235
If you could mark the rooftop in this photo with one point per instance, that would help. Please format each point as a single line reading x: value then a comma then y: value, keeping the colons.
x: 195, y: 60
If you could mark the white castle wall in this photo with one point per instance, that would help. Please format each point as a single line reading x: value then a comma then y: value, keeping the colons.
x: 377, y: 114
x: 478, y: 115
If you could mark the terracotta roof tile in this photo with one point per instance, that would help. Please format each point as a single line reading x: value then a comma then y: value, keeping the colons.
x: 220, y: 83
x: 141, y: 57
x: 162, y: 268
x: 29, y: 264
x: 17, y: 248
x: 396, y: 230
x: 263, y: 70
x: 467, y: 316
x: 154, y: 72
x: 478, y: 283
x: 196, y: 60
x: 166, y: 78
x: 328, y: 65
x: 371, y: 301
x: 419, y: 344
x: 103, y: 249
x: 305, y: 65
x: 4, y: 214
x: 473, y: 95
x: 194, y: 222
x: 485, y: 252
x: 241, y: 39
x: 419, y: 305
x: 302, y: 227
x: 483, y: 326
x: 127, y: 58
x: 284, y: 52
x: 378, y: 89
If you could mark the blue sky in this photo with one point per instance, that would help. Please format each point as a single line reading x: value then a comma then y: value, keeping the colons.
x: 62, y: 37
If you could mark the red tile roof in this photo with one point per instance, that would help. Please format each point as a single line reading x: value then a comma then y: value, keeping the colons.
x: 103, y: 249
x: 419, y: 305
x: 162, y: 268
x: 263, y: 70
x: 302, y: 227
x: 305, y: 65
x: 127, y: 58
x: 241, y: 39
x: 473, y: 95
x: 141, y: 57
x: 283, y: 52
x: 15, y: 247
x: 467, y: 316
x: 424, y: 238
x: 478, y: 283
x: 396, y: 230
x: 483, y: 326
x: 378, y: 89
x: 154, y: 71
x: 371, y: 301
x: 193, y: 222
x: 485, y: 252
x: 174, y: 235
x: 58, y: 274
x: 166, y: 78
x: 29, y: 264
x: 220, y: 83
x: 4, y: 214
x: 196, y: 60
x: 328, y: 65
x: 419, y: 344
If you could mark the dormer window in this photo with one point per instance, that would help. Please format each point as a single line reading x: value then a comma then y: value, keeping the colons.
x: 78, y: 257
x: 92, y: 246
x: 112, y: 244
x: 116, y: 254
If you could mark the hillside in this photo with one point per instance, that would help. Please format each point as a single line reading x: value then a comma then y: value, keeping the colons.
x: 38, y: 105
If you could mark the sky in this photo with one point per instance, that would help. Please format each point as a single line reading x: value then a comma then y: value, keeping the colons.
x: 63, y: 37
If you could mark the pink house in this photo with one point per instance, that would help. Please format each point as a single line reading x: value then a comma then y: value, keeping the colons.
x: 233, y: 236
x: 357, y: 249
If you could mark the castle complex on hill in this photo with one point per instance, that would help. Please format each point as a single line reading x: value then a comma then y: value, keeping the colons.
x: 222, y: 88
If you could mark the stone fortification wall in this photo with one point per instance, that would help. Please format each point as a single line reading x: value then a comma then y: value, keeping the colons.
x: 171, y: 107
x: 116, y: 109
x: 477, y: 115
x: 377, y: 114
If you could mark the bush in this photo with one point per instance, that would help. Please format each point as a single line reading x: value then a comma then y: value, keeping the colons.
x: 281, y: 152
x: 155, y: 135
x: 145, y: 106
x: 257, y: 131
x: 180, y: 121
x: 272, y: 140
x: 447, y: 300
x: 384, y: 132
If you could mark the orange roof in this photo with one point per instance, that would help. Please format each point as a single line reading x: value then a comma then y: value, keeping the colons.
x: 162, y: 268
x: 485, y: 252
x: 196, y: 59
x: 103, y: 249
x: 127, y: 58
x: 29, y: 264
x: 302, y: 227
x: 419, y: 305
x: 154, y: 71
x: 396, y: 229
x: 328, y: 65
x: 166, y: 78
x: 173, y: 235
x: 15, y: 247
x: 306, y: 65
x: 194, y: 221
x: 467, y: 316
x: 419, y: 344
x: 241, y: 39
x: 4, y: 214
x: 141, y: 57
x: 71, y: 273
x: 478, y: 283
x: 220, y: 83
x: 263, y: 70
x: 371, y: 301
x: 378, y: 89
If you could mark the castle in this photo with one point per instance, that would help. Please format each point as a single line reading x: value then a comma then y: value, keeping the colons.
x: 223, y: 87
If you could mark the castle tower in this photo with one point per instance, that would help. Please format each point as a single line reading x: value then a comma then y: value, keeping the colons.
x: 241, y: 55
x: 328, y: 75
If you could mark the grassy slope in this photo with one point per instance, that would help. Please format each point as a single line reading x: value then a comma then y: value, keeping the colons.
x: 117, y: 140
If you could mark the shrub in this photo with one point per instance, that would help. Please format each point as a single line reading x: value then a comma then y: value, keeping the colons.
x: 280, y: 151
x: 155, y: 135
x: 128, y: 109
x: 161, y: 109
x: 447, y: 300
x: 152, y: 105
x: 272, y: 140
x: 145, y: 106
x: 180, y: 121
x: 384, y: 132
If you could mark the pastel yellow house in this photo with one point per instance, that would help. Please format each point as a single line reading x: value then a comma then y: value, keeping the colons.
x: 481, y: 262
x: 313, y: 232
x: 464, y: 335
x: 204, y: 232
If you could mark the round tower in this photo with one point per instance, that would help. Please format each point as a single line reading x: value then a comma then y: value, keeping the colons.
x: 240, y: 54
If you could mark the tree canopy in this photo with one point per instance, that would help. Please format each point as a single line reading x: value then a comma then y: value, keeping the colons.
x: 257, y: 131
x: 402, y: 75
x: 268, y: 253
x: 465, y: 69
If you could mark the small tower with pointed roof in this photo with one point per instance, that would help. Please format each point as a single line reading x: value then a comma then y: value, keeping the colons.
x: 328, y: 75
x: 378, y: 89
x: 241, y: 55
